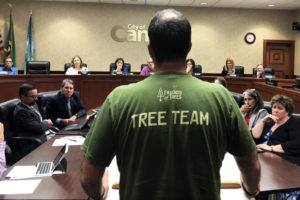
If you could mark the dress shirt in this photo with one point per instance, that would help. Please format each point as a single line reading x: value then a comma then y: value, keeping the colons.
x: 2, y: 157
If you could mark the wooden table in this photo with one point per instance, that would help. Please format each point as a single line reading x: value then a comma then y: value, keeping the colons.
x: 95, y: 88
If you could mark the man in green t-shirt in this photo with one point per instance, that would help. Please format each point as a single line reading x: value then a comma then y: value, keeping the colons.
x: 169, y: 132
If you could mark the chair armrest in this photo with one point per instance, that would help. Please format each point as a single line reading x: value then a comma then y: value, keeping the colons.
x: 22, y: 139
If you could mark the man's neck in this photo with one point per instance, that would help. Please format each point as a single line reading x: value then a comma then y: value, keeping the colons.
x: 170, y: 66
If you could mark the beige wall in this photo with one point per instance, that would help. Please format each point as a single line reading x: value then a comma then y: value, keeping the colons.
x: 297, y: 46
x: 63, y: 30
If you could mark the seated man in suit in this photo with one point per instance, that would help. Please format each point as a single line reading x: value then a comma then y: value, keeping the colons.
x: 8, y: 67
x: 27, y: 118
x: 65, y: 107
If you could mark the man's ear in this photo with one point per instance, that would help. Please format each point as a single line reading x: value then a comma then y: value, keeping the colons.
x: 150, y: 51
x: 190, y: 47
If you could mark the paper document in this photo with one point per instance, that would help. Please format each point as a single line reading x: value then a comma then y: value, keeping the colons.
x: 21, y: 172
x: 70, y: 140
x: 18, y: 186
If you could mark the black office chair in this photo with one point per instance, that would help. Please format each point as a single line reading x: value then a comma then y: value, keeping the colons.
x: 269, y: 72
x: 239, y: 71
x: 38, y: 67
x: 197, y: 70
x: 268, y: 107
x: 14, y: 150
x: 143, y: 65
x: 238, y: 98
x: 42, y: 101
x: 1, y: 64
x: 126, y: 68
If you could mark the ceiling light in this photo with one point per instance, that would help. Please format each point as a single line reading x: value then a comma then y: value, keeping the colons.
x: 271, y: 5
x: 203, y: 3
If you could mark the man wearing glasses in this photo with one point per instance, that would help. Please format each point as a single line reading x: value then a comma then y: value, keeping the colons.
x: 27, y: 118
x: 8, y: 67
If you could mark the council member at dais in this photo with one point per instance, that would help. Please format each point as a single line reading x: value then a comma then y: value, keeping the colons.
x: 171, y: 147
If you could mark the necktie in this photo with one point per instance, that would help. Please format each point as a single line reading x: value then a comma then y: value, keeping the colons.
x: 37, y: 112
x: 69, y: 108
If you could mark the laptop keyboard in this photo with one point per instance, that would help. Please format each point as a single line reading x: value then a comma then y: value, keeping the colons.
x: 43, y: 168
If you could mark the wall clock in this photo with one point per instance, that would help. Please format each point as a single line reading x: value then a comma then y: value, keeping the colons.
x: 250, y: 38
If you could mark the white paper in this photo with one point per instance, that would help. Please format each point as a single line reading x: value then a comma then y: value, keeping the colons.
x: 22, y: 172
x: 18, y: 186
x: 70, y: 140
x: 229, y: 170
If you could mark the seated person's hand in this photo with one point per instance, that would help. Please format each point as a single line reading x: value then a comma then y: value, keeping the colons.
x: 73, y: 118
x: 65, y: 121
x: 1, y: 132
x: 264, y: 146
x: 50, y: 122
x: 270, y: 118
x: 244, y: 108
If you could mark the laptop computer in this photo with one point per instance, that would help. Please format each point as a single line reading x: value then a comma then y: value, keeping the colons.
x: 84, y: 126
x: 47, y: 168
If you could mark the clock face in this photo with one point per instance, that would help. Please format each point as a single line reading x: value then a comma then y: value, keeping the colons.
x: 250, y: 38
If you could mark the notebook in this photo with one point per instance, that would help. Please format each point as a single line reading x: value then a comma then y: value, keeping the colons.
x: 47, y: 168
x: 84, y: 126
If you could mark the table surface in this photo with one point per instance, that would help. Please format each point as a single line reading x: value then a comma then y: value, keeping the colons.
x: 277, y: 174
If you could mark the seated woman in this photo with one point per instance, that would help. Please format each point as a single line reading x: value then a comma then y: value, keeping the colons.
x: 252, y: 109
x: 119, y: 67
x: 190, y: 66
x: 228, y: 69
x: 220, y: 80
x: 77, y: 67
x: 2, y: 150
x: 279, y: 133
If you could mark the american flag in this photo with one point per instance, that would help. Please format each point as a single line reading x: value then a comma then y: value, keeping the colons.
x: 1, y: 43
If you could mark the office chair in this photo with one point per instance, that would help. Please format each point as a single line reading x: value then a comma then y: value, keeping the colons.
x: 14, y: 150
x: 42, y: 101
x: 239, y: 71
x: 239, y: 99
x: 143, y: 65
x: 269, y: 72
x: 268, y: 107
x: 38, y: 67
x: 126, y: 68
x: 1, y: 64
x: 197, y: 70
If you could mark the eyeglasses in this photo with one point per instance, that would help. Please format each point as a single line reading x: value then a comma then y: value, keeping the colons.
x: 33, y: 96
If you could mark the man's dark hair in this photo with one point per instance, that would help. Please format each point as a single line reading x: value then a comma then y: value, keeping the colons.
x: 170, y: 36
x: 25, y: 88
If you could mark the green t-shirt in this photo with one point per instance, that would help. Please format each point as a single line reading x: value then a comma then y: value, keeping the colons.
x: 170, y: 133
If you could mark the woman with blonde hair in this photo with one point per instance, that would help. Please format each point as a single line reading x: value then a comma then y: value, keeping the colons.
x: 228, y: 68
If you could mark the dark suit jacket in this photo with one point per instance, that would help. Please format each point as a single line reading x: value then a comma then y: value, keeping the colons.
x: 57, y: 107
x: 27, y: 123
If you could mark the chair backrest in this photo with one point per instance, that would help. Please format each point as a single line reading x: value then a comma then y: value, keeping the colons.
x: 239, y: 71
x: 126, y: 68
x: 268, y: 71
x: 238, y: 98
x: 143, y: 65
x: 197, y: 70
x: 1, y: 64
x: 38, y: 67
x: 268, y: 107
x: 42, y: 101
x: 6, y: 116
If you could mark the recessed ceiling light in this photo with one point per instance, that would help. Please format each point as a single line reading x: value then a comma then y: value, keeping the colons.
x: 271, y: 5
x: 203, y: 3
